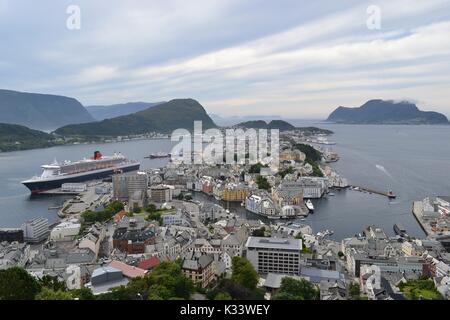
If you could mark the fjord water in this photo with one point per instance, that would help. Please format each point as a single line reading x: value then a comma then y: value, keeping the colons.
x: 413, y: 161
x: 16, y: 203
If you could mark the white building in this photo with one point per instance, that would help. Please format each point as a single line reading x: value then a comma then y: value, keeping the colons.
x: 276, y: 255
x: 93, y: 239
x: 35, y: 230
x: 74, y: 187
x: 65, y: 231
x: 312, y: 187
x: 253, y: 203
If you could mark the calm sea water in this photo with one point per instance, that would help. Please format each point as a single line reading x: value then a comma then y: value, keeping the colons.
x: 16, y: 203
x: 413, y: 161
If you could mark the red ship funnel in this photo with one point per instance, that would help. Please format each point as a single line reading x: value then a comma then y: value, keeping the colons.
x: 97, y: 155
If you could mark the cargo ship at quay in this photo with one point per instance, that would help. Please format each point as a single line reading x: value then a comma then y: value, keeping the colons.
x: 97, y: 167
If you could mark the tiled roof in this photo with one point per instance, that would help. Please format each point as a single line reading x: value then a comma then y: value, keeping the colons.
x: 127, y: 270
x: 149, y: 263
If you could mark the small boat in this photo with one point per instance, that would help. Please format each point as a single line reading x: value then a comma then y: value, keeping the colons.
x: 331, y: 194
x: 391, y: 195
x: 309, y: 205
x: 400, y: 230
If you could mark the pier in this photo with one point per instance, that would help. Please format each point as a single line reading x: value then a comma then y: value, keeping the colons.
x: 389, y: 194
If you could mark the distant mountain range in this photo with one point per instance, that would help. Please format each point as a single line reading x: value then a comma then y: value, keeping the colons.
x: 16, y: 137
x: 40, y: 111
x: 164, y: 118
x: 117, y: 110
x: 386, y: 112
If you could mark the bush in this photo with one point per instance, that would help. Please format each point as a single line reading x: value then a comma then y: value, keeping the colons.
x: 262, y: 183
x: 293, y: 289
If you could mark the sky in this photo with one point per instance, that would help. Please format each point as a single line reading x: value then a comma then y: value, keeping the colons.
x: 291, y: 58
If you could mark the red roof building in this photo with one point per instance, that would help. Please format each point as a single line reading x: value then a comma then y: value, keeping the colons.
x: 149, y: 264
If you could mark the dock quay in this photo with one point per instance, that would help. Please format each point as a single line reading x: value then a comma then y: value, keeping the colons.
x: 417, y: 210
x: 59, y: 192
x: 389, y: 194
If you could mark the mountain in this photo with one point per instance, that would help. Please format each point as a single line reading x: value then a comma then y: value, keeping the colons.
x: 280, y: 125
x: 16, y: 137
x: 164, y: 118
x: 261, y: 124
x: 386, y: 112
x: 40, y: 111
x: 117, y: 110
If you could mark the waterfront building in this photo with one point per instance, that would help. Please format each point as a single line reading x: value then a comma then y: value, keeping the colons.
x: 276, y: 255
x: 288, y: 193
x: 313, y: 188
x: 253, y: 203
x: 235, y: 192
x: 11, y: 235
x: 36, y: 230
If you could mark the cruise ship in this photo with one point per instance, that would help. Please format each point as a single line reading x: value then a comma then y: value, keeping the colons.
x: 97, y: 167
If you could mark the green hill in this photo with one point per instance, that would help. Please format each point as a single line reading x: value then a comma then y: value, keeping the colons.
x: 40, y: 111
x: 16, y: 137
x: 280, y: 125
x: 117, y: 110
x: 164, y: 118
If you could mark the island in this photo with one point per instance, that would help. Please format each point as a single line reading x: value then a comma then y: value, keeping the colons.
x: 386, y: 112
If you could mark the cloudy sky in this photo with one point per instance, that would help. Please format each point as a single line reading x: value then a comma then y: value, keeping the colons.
x: 298, y: 59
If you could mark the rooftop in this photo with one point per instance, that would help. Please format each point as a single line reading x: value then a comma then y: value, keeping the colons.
x: 274, y: 243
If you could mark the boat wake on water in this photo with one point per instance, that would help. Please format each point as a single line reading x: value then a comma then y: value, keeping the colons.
x: 383, y: 169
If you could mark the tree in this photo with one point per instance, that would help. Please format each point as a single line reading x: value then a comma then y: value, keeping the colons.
x: 50, y: 294
x: 168, y: 275
x: 243, y: 273
x: 256, y: 168
x: 286, y: 171
x: 262, y: 183
x: 259, y: 232
x: 151, y: 208
x: 137, y: 210
x: 222, y: 296
x: 293, y: 289
x: 310, y: 153
x: 17, y: 284
x: 354, y: 291
x: 52, y: 283
x: 82, y: 294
